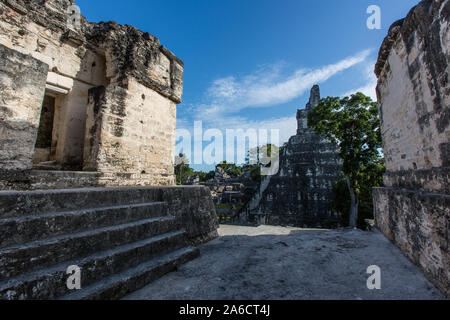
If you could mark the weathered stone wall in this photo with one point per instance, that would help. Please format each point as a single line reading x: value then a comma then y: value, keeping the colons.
x: 93, y: 55
x: 133, y: 130
x: 413, y: 210
x: 301, y: 194
x: 413, y: 85
x: 22, y: 83
x: 131, y: 53
x: 418, y: 224
x: 194, y: 208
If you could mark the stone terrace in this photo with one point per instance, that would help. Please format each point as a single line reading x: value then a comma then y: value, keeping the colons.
x: 289, y: 263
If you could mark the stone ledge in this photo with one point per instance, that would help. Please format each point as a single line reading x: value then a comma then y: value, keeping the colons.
x: 28, y: 180
x: 432, y: 180
x: 13, y: 4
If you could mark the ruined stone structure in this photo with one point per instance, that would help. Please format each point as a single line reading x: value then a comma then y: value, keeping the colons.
x: 301, y: 193
x: 413, y: 209
x: 100, y: 98
x: 90, y: 97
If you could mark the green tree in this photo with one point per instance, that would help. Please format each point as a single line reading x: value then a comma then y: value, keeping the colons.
x: 182, y: 169
x: 283, y: 147
x: 204, y: 176
x: 210, y: 175
x: 370, y: 177
x: 353, y: 124
x: 255, y: 173
x: 231, y: 169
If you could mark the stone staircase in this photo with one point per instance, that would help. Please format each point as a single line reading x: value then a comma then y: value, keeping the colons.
x: 255, y: 201
x: 122, y: 239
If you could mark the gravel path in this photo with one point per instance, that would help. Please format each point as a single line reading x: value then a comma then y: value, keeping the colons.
x: 288, y: 263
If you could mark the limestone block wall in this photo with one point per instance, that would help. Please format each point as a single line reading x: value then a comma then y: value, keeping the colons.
x: 413, y: 210
x: 194, y: 209
x: 132, y: 129
x: 418, y: 223
x: 413, y: 89
x: 37, y: 28
x: 22, y: 86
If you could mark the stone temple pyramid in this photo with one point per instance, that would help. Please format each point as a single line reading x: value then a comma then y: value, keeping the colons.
x: 301, y: 193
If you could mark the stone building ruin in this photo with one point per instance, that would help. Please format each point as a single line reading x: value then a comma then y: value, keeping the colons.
x: 413, y: 209
x: 99, y: 98
x: 87, y: 135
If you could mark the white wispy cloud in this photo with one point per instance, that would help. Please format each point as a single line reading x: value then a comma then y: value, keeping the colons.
x: 369, y: 89
x: 266, y: 88
x: 287, y: 126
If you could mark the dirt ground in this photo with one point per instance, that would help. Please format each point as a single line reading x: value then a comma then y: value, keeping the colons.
x: 277, y: 263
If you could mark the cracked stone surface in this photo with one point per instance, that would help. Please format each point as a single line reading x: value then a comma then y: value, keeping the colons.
x: 290, y: 263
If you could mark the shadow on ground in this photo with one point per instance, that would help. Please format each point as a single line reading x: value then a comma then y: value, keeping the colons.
x: 279, y: 263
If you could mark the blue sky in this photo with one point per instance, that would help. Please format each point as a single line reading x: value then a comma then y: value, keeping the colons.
x: 251, y: 63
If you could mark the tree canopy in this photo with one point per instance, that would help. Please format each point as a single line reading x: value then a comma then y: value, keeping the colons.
x: 231, y: 169
x: 353, y: 124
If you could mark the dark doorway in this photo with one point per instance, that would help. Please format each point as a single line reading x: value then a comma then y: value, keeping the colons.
x: 45, y: 132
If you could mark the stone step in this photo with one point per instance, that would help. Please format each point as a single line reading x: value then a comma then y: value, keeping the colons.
x: 121, y: 284
x: 19, y: 259
x: 19, y: 230
x: 50, y: 283
x: 48, y: 165
x: 23, y: 203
